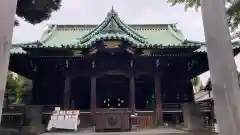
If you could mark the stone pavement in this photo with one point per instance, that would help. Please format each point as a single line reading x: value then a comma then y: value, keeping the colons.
x: 157, y: 131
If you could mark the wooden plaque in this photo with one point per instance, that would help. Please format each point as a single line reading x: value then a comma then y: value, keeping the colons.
x: 112, y: 44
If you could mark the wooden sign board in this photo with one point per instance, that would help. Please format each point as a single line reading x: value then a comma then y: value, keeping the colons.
x: 112, y: 44
x: 77, y: 53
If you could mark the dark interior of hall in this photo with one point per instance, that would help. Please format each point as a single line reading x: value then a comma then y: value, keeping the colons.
x: 81, y: 93
x: 113, y: 91
x: 48, y: 88
x: 144, y: 93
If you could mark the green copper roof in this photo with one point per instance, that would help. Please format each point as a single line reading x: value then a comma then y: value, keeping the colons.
x: 112, y: 28
x: 111, y: 36
x: 17, y: 49
x: 160, y: 36
x: 203, y: 48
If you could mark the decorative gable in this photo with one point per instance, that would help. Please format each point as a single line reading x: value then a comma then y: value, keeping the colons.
x: 112, y: 28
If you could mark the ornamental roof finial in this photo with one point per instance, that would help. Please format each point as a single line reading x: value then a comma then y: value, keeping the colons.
x: 112, y: 12
x: 112, y: 8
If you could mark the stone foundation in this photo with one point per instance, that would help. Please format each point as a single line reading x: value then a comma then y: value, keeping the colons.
x: 4, y: 131
x: 33, y: 120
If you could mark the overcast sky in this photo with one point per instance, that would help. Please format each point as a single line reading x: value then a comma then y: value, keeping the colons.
x: 130, y: 11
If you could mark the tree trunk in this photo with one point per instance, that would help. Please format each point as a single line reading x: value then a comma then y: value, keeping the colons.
x: 222, y: 67
x: 7, y: 12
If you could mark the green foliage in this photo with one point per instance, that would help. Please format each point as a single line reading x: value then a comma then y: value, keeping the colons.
x: 234, y: 14
x: 201, y: 87
x: 15, y: 89
x: 233, y: 11
x: 195, y: 81
x: 35, y: 11
x: 188, y: 3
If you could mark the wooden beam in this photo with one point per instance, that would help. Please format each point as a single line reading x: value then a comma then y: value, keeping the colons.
x: 159, y: 109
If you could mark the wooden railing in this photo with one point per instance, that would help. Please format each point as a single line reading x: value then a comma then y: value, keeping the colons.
x: 144, y: 122
x: 19, y: 110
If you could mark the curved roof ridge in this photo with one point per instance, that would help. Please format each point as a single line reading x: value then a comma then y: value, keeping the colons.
x: 129, y: 28
x: 49, y: 32
x: 192, y: 41
x: 112, y: 23
x: 25, y: 44
x: 175, y: 32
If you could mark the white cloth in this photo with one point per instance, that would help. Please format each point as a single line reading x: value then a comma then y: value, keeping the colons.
x: 57, y: 109
x: 63, y: 124
x: 216, y: 128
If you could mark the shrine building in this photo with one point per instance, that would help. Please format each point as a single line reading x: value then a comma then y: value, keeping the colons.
x: 142, y: 67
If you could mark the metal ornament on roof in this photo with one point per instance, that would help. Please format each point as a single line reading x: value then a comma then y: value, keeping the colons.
x: 66, y: 63
x: 112, y: 27
x: 33, y: 65
x: 178, y: 96
x: 157, y: 63
x: 131, y: 63
x: 185, y: 96
x: 112, y: 13
x: 93, y: 64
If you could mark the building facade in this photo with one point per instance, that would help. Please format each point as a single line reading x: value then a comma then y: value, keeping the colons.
x: 144, y: 67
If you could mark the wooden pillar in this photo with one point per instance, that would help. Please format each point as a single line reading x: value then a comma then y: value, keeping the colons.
x: 159, y: 110
x: 67, y: 93
x: 36, y: 95
x: 93, y: 96
x: 6, y: 101
x: 177, y: 119
x: 132, y: 93
x: 7, y: 15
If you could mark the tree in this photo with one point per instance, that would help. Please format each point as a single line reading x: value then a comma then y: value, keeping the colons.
x: 196, y: 82
x: 233, y: 11
x: 236, y: 34
x: 15, y: 89
x: 35, y: 11
x: 208, y: 86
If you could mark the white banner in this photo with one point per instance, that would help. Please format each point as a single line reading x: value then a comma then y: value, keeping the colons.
x: 64, y: 119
